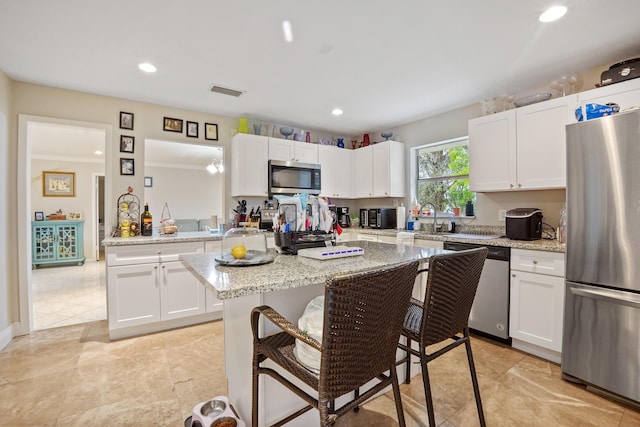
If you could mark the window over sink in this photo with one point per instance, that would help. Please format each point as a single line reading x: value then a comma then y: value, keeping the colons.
x: 442, y: 174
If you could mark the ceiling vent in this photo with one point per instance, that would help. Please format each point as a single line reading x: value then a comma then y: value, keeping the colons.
x: 226, y: 91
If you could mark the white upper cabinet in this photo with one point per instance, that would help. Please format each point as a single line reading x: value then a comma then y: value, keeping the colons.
x: 542, y: 138
x: 521, y: 149
x: 379, y: 170
x: 625, y: 94
x: 363, y: 172
x: 337, y: 173
x: 492, y: 152
x: 292, y: 151
x: 249, y: 158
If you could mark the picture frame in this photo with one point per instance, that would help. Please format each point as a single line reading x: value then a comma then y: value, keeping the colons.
x: 39, y: 216
x: 126, y: 120
x: 74, y: 215
x: 172, y: 125
x: 211, y: 131
x: 148, y: 181
x: 192, y: 129
x: 127, y: 143
x: 127, y: 167
x: 58, y: 184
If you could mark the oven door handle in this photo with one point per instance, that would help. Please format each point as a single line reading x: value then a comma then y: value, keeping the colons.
x: 614, y: 297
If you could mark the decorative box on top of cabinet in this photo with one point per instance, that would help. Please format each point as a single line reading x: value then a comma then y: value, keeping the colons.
x: 57, y: 242
x: 521, y: 149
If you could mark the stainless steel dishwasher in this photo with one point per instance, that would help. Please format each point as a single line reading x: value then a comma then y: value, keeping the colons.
x: 490, y: 310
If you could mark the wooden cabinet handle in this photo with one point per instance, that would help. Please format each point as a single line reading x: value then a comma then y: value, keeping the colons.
x: 513, y: 275
x: 535, y: 262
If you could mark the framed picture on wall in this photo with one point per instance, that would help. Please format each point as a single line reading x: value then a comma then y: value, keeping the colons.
x: 126, y: 120
x: 192, y: 129
x: 58, y: 184
x: 211, y: 131
x: 148, y: 181
x: 39, y: 216
x: 74, y: 215
x: 172, y: 125
x: 126, y: 143
x: 127, y: 167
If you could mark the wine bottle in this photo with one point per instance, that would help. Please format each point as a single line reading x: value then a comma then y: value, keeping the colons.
x: 147, y: 221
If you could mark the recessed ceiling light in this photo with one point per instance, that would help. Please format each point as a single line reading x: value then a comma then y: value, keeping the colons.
x: 147, y: 68
x: 552, y: 14
x: 336, y: 112
x: 287, y: 31
x: 97, y: 152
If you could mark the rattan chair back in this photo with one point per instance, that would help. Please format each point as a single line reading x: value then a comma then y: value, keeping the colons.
x: 363, y: 320
x: 451, y: 288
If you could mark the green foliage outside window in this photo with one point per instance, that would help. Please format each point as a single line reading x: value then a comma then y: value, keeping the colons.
x: 443, y: 175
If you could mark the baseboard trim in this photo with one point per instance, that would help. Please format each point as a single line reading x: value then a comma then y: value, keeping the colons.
x: 550, y: 355
x: 131, y: 331
x: 6, y: 335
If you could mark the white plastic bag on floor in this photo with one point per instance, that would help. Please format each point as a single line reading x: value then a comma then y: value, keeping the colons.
x: 311, y: 323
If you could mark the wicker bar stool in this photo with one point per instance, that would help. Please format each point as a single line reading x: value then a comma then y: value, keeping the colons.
x: 444, y: 315
x: 363, y: 316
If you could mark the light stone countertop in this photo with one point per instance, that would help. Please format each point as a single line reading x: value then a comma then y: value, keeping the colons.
x: 186, y: 236
x: 291, y: 271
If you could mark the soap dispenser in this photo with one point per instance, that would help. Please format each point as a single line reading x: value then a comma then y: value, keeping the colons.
x: 468, y: 209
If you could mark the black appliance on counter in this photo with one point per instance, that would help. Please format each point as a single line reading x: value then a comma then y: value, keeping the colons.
x: 343, y: 216
x: 382, y: 218
x: 364, y: 218
x: 268, y: 216
x: 524, y: 224
x: 289, y: 243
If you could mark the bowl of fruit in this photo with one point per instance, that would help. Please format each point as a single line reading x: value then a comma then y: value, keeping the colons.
x: 243, y: 247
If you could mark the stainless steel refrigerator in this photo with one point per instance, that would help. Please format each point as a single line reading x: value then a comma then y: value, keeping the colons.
x: 601, y: 339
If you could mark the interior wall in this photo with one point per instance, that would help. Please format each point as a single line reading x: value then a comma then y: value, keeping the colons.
x: 8, y: 258
x: 80, y: 203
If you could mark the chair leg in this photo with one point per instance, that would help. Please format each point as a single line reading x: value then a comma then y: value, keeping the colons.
x: 474, y: 380
x: 254, y: 391
x: 407, y: 372
x: 427, y: 393
x: 397, y: 397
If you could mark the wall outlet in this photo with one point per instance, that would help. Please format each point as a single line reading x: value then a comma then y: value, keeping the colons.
x: 501, y: 214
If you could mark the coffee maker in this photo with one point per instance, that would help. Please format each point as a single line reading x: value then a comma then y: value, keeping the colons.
x: 343, y: 216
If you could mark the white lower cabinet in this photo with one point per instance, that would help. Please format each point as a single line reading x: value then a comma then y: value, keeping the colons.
x: 537, y: 302
x: 148, y: 288
x: 213, y: 303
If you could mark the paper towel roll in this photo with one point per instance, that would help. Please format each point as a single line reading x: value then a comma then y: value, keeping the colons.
x: 214, y: 222
x: 400, y: 217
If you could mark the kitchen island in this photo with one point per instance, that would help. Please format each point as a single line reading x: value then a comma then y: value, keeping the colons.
x: 287, y: 284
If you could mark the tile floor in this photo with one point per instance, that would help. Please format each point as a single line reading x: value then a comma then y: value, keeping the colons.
x: 73, y: 376
x: 68, y: 295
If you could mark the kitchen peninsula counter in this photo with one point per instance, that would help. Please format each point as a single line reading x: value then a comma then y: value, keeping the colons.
x: 287, y: 284
x: 179, y: 237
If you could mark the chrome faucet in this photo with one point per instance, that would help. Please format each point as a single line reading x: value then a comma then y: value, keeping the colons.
x: 435, y: 216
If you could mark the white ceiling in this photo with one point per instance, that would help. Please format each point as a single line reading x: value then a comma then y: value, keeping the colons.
x: 384, y: 63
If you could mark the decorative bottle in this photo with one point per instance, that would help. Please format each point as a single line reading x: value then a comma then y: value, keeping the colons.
x: 147, y: 221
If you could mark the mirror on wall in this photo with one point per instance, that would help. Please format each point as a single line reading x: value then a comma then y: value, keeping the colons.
x: 189, y: 178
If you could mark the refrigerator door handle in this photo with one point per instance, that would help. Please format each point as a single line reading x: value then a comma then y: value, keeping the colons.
x: 623, y: 298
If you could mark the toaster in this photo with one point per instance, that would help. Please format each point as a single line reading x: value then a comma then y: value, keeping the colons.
x: 524, y: 224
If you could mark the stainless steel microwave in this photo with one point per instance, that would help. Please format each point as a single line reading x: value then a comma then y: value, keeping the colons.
x: 293, y: 177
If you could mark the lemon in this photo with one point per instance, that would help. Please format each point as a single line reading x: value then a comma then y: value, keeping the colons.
x: 238, y: 251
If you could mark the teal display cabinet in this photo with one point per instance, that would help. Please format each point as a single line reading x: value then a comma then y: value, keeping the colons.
x: 57, y: 242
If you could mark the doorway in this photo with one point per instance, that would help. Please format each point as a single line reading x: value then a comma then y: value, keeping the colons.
x: 62, y: 155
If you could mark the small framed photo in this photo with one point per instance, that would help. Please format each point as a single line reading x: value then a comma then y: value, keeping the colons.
x: 126, y: 143
x: 127, y: 167
x: 172, y: 125
x: 148, y: 181
x: 39, y: 216
x: 58, y: 184
x: 211, y: 131
x: 192, y: 129
x: 74, y: 215
x: 126, y: 120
